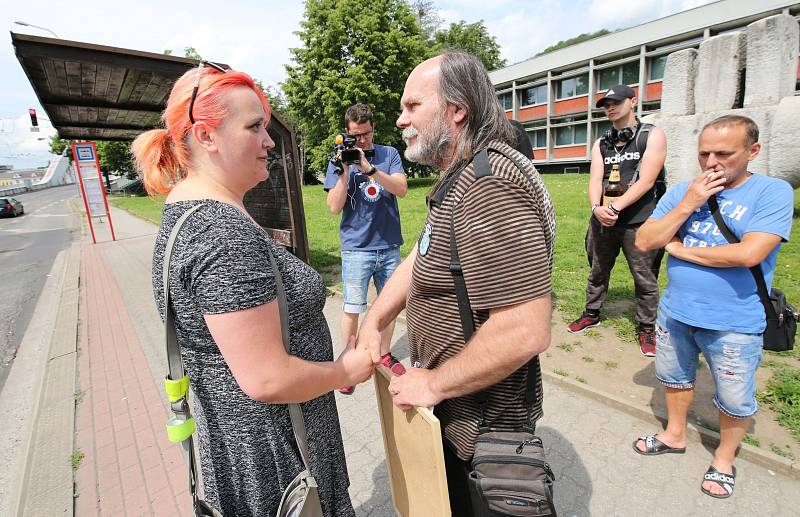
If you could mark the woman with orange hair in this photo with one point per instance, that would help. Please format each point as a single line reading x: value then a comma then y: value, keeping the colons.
x: 213, y: 149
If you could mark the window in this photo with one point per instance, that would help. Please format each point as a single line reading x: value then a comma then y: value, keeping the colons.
x: 506, y: 101
x: 571, y: 135
x: 601, y: 127
x: 623, y: 74
x: 572, y: 87
x: 534, y: 95
x: 538, y: 138
x: 656, y: 68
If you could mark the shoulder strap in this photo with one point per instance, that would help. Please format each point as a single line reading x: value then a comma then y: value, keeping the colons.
x: 180, y: 407
x: 482, y: 168
x: 756, y: 270
x: 295, y: 412
x: 644, y: 128
x: 181, y: 414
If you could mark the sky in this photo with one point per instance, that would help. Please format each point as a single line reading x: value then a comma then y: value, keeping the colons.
x: 255, y: 36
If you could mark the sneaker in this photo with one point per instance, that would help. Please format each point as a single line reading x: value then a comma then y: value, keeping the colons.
x: 586, y: 321
x: 394, y: 366
x: 647, y: 341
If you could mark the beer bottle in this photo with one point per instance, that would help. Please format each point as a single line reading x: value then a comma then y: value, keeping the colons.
x: 614, y: 188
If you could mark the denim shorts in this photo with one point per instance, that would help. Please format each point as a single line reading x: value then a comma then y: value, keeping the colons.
x: 358, y: 267
x: 732, y: 357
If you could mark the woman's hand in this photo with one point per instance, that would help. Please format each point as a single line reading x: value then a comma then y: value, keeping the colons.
x: 356, y: 363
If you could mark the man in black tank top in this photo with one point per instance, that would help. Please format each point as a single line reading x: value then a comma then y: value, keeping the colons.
x: 639, y: 150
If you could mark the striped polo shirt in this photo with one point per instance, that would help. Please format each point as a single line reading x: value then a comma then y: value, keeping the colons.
x: 505, y: 229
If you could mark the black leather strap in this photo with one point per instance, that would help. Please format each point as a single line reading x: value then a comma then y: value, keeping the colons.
x: 756, y: 270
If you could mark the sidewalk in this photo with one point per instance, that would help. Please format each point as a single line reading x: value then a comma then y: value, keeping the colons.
x: 130, y: 468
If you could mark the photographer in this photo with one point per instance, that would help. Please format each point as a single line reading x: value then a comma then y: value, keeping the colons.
x: 366, y: 194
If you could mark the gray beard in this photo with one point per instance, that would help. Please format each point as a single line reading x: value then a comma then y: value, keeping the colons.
x: 432, y: 143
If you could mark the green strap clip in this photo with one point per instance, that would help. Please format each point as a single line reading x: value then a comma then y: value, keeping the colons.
x: 179, y: 430
x: 177, y: 390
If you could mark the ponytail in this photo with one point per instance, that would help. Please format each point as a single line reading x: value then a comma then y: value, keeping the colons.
x: 156, y: 161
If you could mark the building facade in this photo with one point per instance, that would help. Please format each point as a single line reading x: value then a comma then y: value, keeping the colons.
x: 553, y: 95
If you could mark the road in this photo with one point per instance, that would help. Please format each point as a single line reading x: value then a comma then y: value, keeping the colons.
x: 28, y: 245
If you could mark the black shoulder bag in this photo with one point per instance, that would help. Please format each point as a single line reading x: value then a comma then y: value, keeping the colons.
x: 781, y: 317
x: 300, y: 498
x: 509, y: 473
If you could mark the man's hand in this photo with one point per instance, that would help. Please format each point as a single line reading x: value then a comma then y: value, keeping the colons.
x: 708, y: 184
x: 414, y: 389
x: 369, y: 338
x: 363, y: 164
x: 605, y: 215
x: 673, y: 245
x: 355, y: 364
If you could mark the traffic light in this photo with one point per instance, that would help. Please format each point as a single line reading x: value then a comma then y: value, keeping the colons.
x: 34, y: 122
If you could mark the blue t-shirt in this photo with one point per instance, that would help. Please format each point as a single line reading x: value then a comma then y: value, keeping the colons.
x: 370, y: 217
x: 719, y: 298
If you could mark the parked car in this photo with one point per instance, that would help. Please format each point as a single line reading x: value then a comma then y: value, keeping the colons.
x: 10, y: 207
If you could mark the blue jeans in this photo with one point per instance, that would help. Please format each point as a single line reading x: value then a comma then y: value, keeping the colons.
x: 733, y: 358
x: 357, y: 269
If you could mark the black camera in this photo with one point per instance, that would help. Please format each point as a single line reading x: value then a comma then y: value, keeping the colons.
x: 346, y: 144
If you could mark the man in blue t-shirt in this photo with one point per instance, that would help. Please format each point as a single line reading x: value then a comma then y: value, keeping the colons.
x: 711, y: 303
x: 366, y: 195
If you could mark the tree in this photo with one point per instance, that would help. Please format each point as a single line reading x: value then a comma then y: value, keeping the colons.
x: 191, y: 53
x: 58, y: 145
x: 427, y: 17
x: 580, y: 38
x: 352, y: 51
x: 115, y: 156
x: 474, y: 38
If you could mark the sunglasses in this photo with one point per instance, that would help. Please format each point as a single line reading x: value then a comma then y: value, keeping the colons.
x: 200, y: 67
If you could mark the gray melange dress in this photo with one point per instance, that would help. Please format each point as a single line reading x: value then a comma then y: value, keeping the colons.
x: 247, y: 448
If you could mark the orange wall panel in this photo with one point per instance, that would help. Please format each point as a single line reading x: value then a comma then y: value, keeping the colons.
x: 532, y: 113
x: 540, y: 154
x: 653, y: 91
x: 576, y: 105
x: 573, y: 151
x: 510, y: 115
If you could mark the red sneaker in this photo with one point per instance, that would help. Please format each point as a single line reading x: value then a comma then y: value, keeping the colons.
x: 394, y: 366
x: 586, y: 321
x: 647, y: 341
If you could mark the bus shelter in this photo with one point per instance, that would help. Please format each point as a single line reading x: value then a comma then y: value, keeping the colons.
x: 95, y: 92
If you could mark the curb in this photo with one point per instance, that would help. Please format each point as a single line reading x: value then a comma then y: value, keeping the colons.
x: 694, y: 433
x: 47, y: 481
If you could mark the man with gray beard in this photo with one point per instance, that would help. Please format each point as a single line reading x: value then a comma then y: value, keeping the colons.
x: 491, y: 204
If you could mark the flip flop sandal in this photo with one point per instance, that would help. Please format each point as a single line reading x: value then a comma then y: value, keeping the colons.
x: 725, y: 481
x: 654, y: 447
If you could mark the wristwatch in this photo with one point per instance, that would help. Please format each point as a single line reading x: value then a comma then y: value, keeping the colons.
x: 594, y: 205
x: 371, y: 171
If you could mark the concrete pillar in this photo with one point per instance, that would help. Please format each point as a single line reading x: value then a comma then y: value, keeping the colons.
x: 783, y: 162
x: 720, y: 63
x: 772, y: 45
x: 677, y: 95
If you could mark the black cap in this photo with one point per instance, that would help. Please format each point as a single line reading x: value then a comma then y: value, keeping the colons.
x: 617, y: 93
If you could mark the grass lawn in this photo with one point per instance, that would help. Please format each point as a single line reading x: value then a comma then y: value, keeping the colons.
x: 570, y: 271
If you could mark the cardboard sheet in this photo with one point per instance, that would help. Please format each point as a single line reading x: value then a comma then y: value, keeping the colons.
x: 414, y: 458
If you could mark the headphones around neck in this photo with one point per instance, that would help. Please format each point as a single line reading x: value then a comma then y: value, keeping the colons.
x: 623, y: 135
